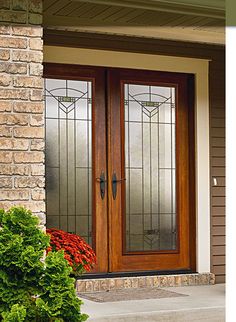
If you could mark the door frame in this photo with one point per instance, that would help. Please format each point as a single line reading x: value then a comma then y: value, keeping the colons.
x: 200, y: 68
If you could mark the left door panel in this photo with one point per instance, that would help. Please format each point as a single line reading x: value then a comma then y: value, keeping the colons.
x: 76, y: 199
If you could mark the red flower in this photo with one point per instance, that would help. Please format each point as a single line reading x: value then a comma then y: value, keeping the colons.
x: 77, y: 252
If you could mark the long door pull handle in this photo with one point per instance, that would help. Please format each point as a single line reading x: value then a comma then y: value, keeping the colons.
x: 102, y: 181
x: 114, y: 184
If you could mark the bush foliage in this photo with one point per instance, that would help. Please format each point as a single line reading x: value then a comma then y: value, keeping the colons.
x: 33, y: 289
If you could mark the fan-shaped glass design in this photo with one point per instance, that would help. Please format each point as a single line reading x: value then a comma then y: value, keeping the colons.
x: 68, y: 120
x: 150, y: 167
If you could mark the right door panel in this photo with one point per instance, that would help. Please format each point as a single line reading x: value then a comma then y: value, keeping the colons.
x: 151, y: 169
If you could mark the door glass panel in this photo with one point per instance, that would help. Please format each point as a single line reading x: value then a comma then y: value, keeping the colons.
x: 68, y: 156
x: 150, y: 168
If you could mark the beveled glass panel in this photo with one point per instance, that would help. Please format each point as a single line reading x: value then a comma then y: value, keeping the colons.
x: 69, y: 155
x: 150, y: 167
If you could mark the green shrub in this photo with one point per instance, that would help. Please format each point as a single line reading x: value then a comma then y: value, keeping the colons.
x: 33, y: 290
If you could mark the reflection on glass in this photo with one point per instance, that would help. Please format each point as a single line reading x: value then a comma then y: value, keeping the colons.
x: 68, y: 156
x: 150, y: 167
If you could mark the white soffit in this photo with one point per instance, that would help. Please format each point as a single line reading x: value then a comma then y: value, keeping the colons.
x: 186, y: 20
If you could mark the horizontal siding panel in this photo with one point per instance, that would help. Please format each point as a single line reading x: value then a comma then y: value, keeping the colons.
x: 217, y: 132
x: 218, y: 211
x: 220, y: 162
x: 216, y: 82
x: 218, y: 99
x: 218, y: 230
x: 218, y: 221
x: 218, y: 250
x: 220, y: 181
x: 220, y: 279
x: 218, y: 241
x: 218, y: 112
x: 218, y: 152
x: 218, y: 260
x: 218, y: 94
x: 218, y: 191
x: 219, y: 270
x: 218, y: 201
x: 218, y: 142
x: 218, y: 122
x: 218, y: 171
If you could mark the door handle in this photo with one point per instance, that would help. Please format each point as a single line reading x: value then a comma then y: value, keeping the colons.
x: 114, y: 184
x: 102, y: 182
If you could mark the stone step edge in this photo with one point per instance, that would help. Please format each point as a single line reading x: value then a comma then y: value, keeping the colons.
x: 214, y: 313
x: 117, y: 283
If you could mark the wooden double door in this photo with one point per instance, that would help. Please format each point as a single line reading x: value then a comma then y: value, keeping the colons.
x: 120, y: 164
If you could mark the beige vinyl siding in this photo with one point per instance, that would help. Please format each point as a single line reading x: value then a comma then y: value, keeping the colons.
x: 217, y: 148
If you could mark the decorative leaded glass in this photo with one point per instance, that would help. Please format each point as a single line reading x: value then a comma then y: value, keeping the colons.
x: 150, y: 167
x: 69, y: 156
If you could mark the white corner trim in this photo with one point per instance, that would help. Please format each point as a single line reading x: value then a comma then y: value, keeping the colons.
x: 198, y: 67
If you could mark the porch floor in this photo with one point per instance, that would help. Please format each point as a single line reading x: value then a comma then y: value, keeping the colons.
x: 203, y: 303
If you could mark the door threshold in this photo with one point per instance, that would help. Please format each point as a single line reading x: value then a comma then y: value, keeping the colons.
x: 109, y: 283
x: 134, y: 274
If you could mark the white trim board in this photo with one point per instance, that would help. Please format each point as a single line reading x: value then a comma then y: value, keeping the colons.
x: 198, y: 67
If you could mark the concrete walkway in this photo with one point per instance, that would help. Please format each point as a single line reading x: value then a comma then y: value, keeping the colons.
x: 204, y: 303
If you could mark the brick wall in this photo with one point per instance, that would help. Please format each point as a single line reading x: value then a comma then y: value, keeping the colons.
x: 21, y: 106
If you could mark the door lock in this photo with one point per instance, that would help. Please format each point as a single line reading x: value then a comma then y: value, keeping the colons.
x: 102, y: 181
x: 114, y: 184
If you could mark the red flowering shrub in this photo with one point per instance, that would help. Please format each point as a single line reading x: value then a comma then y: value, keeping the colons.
x: 77, y: 252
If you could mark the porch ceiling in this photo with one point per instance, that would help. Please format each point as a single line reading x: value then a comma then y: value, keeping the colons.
x: 186, y: 20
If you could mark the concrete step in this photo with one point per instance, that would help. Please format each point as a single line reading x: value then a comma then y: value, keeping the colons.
x: 200, y: 303
x: 213, y: 314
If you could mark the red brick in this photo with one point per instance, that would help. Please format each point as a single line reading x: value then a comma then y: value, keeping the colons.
x: 29, y: 182
x: 13, y: 119
x: 5, y: 80
x: 13, y: 42
x: 5, y: 131
x: 36, y: 6
x: 5, y: 182
x: 36, y: 69
x: 29, y: 157
x: 5, y: 106
x: 14, y: 194
x: 4, y: 54
x: 28, y: 82
x: 35, y: 31
x: 4, y: 4
x: 35, y: 18
x: 37, y: 145
x: 36, y: 120
x: 36, y: 95
x: 14, y: 144
x: 14, y: 68
x: 20, y: 5
x: 9, y: 169
x: 36, y: 44
x: 38, y: 169
x: 13, y: 17
x: 29, y: 107
x: 36, y: 56
x: 29, y: 132
x: 5, y: 157
x: 38, y: 194
x: 20, y: 94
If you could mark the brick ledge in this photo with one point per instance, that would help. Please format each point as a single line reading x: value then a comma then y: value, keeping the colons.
x: 106, y: 284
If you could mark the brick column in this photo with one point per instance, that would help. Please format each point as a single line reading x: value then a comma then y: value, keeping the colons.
x: 21, y: 106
